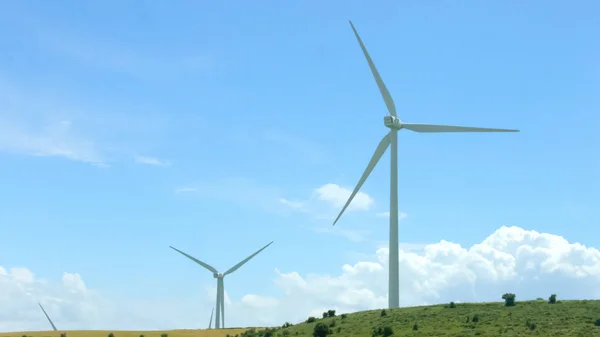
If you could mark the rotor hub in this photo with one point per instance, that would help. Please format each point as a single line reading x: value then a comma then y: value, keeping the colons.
x: 392, y: 122
x: 217, y: 275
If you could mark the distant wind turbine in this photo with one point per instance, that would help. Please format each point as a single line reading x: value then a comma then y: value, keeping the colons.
x: 395, y: 125
x: 211, y: 315
x: 220, y: 319
x: 48, y: 317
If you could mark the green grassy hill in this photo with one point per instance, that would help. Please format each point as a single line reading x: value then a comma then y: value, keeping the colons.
x: 530, y: 318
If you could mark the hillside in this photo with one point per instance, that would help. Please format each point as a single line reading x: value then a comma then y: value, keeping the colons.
x: 529, y: 318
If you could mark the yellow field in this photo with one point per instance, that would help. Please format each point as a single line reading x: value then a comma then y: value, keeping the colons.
x: 101, y: 333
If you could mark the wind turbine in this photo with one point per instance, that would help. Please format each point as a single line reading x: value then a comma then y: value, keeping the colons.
x: 220, y: 319
x: 48, y: 317
x: 395, y: 125
x: 211, y: 315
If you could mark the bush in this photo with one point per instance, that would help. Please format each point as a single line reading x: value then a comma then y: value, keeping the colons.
x: 539, y: 299
x: 383, y: 313
x: 530, y: 325
x: 475, y: 319
x: 452, y: 305
x: 325, y: 314
x: 320, y: 330
x: 111, y: 334
x: 268, y: 332
x: 338, y: 329
x: 597, y: 322
x: 415, y: 327
x: 164, y: 334
x: 311, y: 319
x: 332, y: 323
x: 63, y: 334
x: 509, y: 299
x: 286, y: 325
x: 387, y: 331
x: 285, y: 332
x: 344, y: 316
x: 331, y: 313
x: 552, y: 299
x: 142, y: 336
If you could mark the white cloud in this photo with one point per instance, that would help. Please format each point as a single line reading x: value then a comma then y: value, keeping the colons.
x: 326, y: 202
x: 150, y: 161
x: 55, y: 139
x: 337, y: 197
x: 527, y: 263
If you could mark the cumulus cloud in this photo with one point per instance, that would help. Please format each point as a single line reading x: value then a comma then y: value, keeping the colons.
x: 525, y: 262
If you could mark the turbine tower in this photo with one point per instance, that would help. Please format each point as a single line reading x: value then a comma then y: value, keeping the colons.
x: 220, y: 318
x: 211, y: 315
x: 395, y: 125
x: 48, y: 317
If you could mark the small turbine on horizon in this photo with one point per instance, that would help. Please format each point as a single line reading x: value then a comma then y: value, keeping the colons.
x: 220, y: 317
x: 391, y: 138
x: 211, y: 315
x: 48, y: 317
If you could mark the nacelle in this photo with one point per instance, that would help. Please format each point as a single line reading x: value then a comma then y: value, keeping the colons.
x: 392, y: 122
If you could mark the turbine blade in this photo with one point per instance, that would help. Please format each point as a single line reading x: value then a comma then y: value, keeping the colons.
x: 234, y: 268
x: 211, y: 316
x: 205, y: 265
x: 389, y: 102
x: 449, y: 128
x: 48, y: 317
x: 383, y: 145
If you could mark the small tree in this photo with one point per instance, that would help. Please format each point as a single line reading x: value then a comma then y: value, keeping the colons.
x: 325, y: 314
x: 415, y: 327
x: 552, y: 299
x: 311, y: 319
x: 331, y: 313
x: 110, y: 334
x: 509, y: 299
x: 452, y: 305
x: 344, y: 316
x: 475, y: 319
x: 320, y: 330
x: 383, y: 313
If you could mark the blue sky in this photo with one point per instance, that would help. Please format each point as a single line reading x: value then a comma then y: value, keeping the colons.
x: 247, y: 105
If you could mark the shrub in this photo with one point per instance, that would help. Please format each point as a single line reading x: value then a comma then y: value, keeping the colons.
x: 269, y: 332
x: 383, y: 313
x: 285, y: 332
x: 530, y: 325
x: 311, y: 319
x: 452, y: 305
x: 286, y: 325
x: 467, y: 319
x: 552, y: 299
x: 325, y: 314
x: 111, y: 334
x: 344, y: 316
x: 475, y: 319
x: 164, y: 334
x: 597, y: 322
x: 331, y: 313
x: 321, y: 330
x: 63, y: 334
x: 387, y: 331
x: 415, y: 327
x: 332, y: 323
x: 539, y: 299
x: 509, y: 299
x: 338, y: 329
x: 142, y: 336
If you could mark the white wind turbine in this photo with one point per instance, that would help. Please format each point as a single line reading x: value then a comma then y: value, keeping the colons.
x: 48, y: 317
x: 220, y: 318
x: 395, y: 125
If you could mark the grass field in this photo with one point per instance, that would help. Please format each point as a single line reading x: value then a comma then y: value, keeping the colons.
x: 528, y: 318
